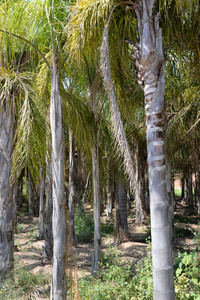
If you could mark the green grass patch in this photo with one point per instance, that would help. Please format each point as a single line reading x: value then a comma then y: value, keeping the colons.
x: 22, y: 284
x: 127, y: 281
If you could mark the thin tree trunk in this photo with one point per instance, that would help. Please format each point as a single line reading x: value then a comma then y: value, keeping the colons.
x: 108, y: 195
x: 190, y: 190
x: 15, y: 193
x: 79, y: 181
x: 20, y: 190
x: 151, y: 78
x: 47, y: 251
x: 97, y: 221
x: 182, y: 187
x: 30, y: 195
x: 41, y: 208
x: 58, y: 278
x: 6, y: 191
x: 139, y: 209
x: 121, y: 225
x: 170, y: 196
x: 71, y: 189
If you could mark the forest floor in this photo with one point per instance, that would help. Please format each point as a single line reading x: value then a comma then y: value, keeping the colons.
x: 28, y: 248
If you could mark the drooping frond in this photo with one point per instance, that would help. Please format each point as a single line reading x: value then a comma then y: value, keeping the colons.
x: 77, y: 116
x: 30, y: 136
x: 117, y: 125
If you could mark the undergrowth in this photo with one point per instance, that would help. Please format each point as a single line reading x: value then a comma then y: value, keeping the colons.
x: 84, y: 227
x: 125, y: 281
x: 22, y: 284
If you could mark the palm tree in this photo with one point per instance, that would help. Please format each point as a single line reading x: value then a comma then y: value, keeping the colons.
x: 148, y: 60
x: 44, y: 16
x: 6, y: 197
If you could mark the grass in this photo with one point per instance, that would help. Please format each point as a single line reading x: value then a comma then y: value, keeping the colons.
x: 22, y: 284
x: 127, y: 281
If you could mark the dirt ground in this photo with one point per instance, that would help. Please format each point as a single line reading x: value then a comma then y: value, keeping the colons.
x: 28, y: 248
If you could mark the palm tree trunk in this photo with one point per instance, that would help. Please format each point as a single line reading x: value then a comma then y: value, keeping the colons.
x: 15, y: 193
x: 47, y: 252
x: 20, y: 190
x: 151, y: 70
x: 30, y: 195
x: 71, y: 189
x: 138, y: 186
x: 182, y: 187
x: 97, y: 222
x: 121, y: 225
x: 41, y: 207
x: 58, y: 278
x: 6, y: 191
x: 108, y: 194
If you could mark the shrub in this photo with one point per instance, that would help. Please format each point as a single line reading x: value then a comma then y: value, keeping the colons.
x: 127, y: 281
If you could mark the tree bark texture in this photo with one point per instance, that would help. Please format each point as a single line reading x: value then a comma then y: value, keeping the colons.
x: 182, y: 187
x: 71, y: 189
x: 109, y: 195
x: 47, y: 252
x: 96, y: 206
x: 58, y: 278
x: 151, y: 78
x: 20, y: 190
x: 170, y: 197
x: 41, y: 207
x: 138, y: 187
x: 6, y: 191
x: 30, y: 195
x: 15, y: 193
x: 121, y: 225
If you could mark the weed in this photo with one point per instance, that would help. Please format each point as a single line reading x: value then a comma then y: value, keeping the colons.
x: 21, y: 283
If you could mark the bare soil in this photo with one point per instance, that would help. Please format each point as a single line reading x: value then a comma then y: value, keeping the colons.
x: 28, y: 248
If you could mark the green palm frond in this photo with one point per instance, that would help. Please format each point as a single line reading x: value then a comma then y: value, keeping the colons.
x: 30, y: 136
x: 77, y: 116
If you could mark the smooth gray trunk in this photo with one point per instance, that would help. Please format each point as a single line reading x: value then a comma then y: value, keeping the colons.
x: 121, y: 225
x: 30, y: 195
x: 182, y: 187
x: 151, y: 77
x: 138, y: 189
x: 41, y: 207
x: 71, y: 189
x: 47, y: 252
x: 96, y: 207
x: 15, y: 193
x: 79, y: 181
x: 170, y: 197
x: 20, y: 190
x: 58, y: 277
x: 6, y: 191
x: 108, y: 195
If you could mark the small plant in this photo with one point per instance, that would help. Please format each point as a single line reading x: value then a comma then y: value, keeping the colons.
x: 187, y: 276
x: 182, y: 232
x: 84, y: 226
x: 19, y: 227
x: 21, y: 283
x: 107, y: 229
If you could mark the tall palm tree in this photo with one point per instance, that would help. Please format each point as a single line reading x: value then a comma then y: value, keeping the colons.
x: 148, y: 60
x: 45, y: 14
